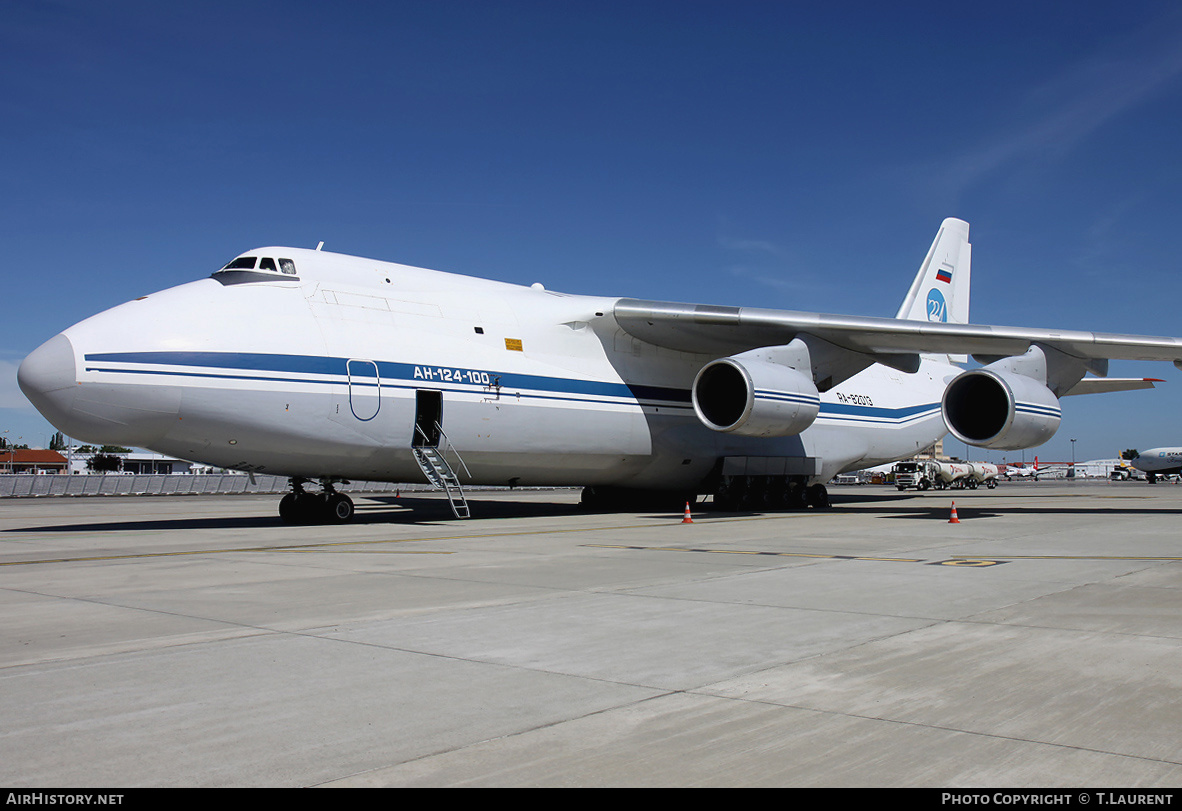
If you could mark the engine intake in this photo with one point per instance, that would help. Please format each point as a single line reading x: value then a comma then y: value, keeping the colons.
x: 751, y: 396
x: 1000, y: 410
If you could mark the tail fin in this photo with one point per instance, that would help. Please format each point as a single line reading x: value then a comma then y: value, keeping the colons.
x: 940, y: 291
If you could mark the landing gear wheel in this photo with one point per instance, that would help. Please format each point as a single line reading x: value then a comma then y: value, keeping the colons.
x: 797, y: 496
x: 724, y: 502
x: 289, y: 509
x: 818, y: 497
x: 326, y: 507
x: 339, y: 508
x: 300, y: 508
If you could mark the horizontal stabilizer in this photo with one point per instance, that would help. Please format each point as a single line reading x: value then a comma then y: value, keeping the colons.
x: 1103, y: 385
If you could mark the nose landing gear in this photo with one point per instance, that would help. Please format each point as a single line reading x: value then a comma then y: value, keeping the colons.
x: 326, y: 507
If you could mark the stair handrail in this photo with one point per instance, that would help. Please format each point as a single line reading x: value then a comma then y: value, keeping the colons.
x: 447, y: 444
x: 427, y: 439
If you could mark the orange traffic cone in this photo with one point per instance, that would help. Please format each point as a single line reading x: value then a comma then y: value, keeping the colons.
x: 687, y: 519
x: 954, y: 519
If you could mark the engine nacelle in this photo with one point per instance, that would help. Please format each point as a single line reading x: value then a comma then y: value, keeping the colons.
x: 1000, y: 410
x: 751, y: 396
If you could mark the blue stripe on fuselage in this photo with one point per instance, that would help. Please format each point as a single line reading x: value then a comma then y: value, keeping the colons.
x: 387, y: 370
x: 202, y: 364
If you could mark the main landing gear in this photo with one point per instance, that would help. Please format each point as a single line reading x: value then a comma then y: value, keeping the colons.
x: 326, y: 507
x: 774, y: 493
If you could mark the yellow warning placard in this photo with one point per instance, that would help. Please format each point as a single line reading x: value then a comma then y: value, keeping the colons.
x: 514, y: 344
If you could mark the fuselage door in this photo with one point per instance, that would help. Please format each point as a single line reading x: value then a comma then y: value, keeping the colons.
x: 365, y: 393
x: 428, y: 418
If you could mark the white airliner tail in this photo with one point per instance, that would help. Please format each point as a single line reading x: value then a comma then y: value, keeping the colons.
x: 940, y: 291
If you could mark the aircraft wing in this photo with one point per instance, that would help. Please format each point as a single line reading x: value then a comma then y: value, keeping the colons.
x: 727, y: 330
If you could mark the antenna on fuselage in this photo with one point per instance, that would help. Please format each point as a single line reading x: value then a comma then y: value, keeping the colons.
x: 320, y: 244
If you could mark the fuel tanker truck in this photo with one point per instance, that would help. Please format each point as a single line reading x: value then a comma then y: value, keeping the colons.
x: 923, y: 475
x: 982, y: 473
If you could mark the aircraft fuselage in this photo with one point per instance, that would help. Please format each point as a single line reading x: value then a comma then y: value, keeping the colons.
x: 1160, y: 461
x: 325, y: 373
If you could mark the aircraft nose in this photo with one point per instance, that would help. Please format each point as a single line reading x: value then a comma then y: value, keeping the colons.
x: 48, y: 378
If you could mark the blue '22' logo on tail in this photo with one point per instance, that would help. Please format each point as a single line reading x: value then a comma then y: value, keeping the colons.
x: 937, y: 308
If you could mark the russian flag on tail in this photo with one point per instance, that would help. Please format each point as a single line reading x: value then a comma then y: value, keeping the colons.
x: 943, y: 275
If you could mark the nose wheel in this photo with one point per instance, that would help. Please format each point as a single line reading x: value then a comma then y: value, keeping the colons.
x: 326, y: 507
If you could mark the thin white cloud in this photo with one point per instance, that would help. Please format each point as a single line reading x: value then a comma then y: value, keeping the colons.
x: 792, y: 283
x: 1057, y: 115
x: 760, y: 261
x: 752, y: 246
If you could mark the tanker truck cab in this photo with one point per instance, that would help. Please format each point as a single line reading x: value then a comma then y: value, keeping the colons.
x: 912, y: 475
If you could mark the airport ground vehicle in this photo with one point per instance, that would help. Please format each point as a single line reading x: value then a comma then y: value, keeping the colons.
x: 912, y: 475
x: 923, y: 475
x: 982, y: 474
x: 1127, y: 473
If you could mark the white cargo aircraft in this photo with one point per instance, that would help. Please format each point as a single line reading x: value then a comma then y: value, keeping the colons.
x: 1159, y: 462
x: 325, y: 368
x: 1021, y: 471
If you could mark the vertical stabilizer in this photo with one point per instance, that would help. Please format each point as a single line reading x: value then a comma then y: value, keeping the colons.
x: 940, y: 291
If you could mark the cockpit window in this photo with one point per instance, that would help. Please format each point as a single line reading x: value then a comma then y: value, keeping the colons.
x: 254, y: 269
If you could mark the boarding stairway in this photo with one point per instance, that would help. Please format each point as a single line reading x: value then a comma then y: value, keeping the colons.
x: 440, y: 473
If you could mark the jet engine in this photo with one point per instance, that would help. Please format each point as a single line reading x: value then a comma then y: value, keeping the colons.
x: 1002, y: 410
x: 749, y: 395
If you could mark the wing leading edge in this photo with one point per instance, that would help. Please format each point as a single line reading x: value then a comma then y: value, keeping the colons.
x: 711, y: 329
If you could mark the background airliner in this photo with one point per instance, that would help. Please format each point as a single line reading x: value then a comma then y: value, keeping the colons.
x: 324, y: 368
x: 1159, y: 462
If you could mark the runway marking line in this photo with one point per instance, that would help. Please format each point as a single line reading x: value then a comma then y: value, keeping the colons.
x: 1160, y: 558
x: 813, y: 555
x: 300, y: 548
x: 964, y: 561
x: 322, y: 544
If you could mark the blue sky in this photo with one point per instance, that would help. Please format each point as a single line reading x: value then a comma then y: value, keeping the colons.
x: 781, y: 154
